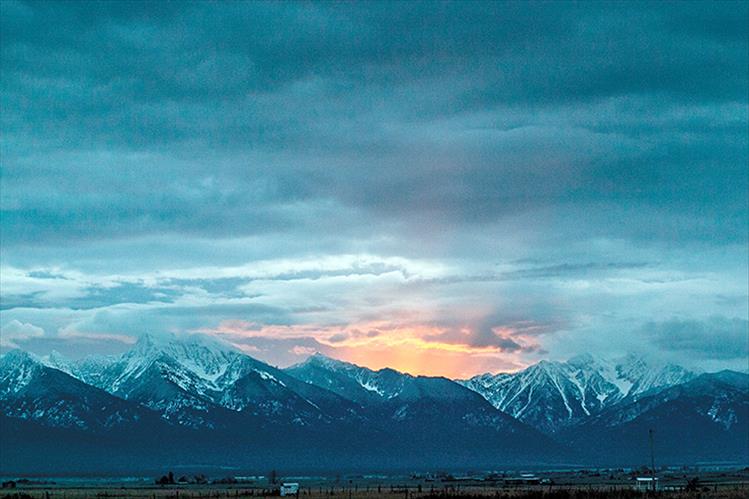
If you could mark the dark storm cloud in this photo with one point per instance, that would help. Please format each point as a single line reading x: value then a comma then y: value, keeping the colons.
x: 152, y: 149
x: 713, y: 338
x: 319, y: 102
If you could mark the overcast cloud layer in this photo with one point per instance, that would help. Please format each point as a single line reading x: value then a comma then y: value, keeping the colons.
x: 445, y: 188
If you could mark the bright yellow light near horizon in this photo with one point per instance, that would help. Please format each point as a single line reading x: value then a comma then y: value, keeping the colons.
x: 415, y: 349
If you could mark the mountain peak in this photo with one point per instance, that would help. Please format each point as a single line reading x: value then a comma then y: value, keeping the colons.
x: 583, y: 360
x: 17, y: 369
x: 146, y: 342
x: 735, y: 378
x: 57, y: 360
x: 546, y: 366
x: 152, y: 342
x: 320, y: 359
x: 578, y: 388
x: 18, y: 356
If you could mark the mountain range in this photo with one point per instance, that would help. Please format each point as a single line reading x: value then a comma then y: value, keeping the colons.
x: 552, y: 395
x: 196, y: 401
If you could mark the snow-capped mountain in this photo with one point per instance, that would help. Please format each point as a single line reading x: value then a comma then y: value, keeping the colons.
x: 217, y: 402
x: 704, y: 418
x: 416, y: 412
x: 196, y: 363
x: 636, y: 376
x: 199, y: 381
x: 175, y: 378
x: 390, y: 395
x: 350, y: 381
x: 30, y: 390
x: 715, y: 395
x: 204, y: 398
x: 367, y: 386
x: 57, y: 361
x: 551, y: 395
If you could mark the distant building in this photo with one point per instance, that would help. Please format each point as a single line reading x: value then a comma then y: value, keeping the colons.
x: 645, y: 483
x: 523, y: 479
x: 289, y: 489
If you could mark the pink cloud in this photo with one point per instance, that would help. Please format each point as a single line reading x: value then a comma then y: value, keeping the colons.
x: 410, y: 347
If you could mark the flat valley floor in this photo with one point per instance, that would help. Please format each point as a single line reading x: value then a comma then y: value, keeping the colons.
x: 733, y: 484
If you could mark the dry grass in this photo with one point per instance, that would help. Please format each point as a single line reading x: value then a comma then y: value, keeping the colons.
x: 462, y: 492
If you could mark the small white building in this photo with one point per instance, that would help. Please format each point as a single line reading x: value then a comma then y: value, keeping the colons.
x: 523, y: 479
x: 645, y: 483
x: 289, y: 489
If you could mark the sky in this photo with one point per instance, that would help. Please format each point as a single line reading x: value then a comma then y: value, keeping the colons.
x: 445, y: 188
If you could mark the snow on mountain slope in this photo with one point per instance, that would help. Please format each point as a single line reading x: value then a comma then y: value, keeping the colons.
x: 34, y: 391
x: 350, y: 381
x: 197, y: 364
x: 552, y: 395
x: 646, y: 376
x: 413, y: 413
x: 170, y: 377
x: 365, y: 385
x: 57, y: 361
x: 716, y: 395
x: 546, y: 395
x: 198, y: 381
x: 274, y: 394
x: 90, y: 369
x: 706, y: 417
x: 17, y: 370
x: 389, y: 395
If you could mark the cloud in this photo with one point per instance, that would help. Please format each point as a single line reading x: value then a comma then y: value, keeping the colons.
x: 267, y: 114
x: 303, y: 351
x: 356, y: 342
x: 719, y: 338
x: 15, y: 331
x: 75, y: 345
x: 45, y: 274
x: 338, y: 337
x: 491, y: 181
x: 487, y: 333
x: 124, y: 292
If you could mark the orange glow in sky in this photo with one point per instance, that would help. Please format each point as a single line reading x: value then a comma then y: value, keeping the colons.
x: 415, y: 349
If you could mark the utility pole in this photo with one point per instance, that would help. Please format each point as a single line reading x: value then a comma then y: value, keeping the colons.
x: 652, y: 456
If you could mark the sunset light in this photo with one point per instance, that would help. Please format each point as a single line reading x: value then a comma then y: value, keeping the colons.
x: 422, y: 249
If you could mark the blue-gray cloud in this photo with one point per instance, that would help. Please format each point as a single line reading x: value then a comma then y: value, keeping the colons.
x: 121, y: 120
x: 561, y: 164
x: 713, y: 338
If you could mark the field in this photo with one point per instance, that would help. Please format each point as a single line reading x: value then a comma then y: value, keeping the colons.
x: 608, y: 484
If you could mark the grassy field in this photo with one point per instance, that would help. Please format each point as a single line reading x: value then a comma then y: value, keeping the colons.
x: 457, y: 493
x: 561, y: 485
